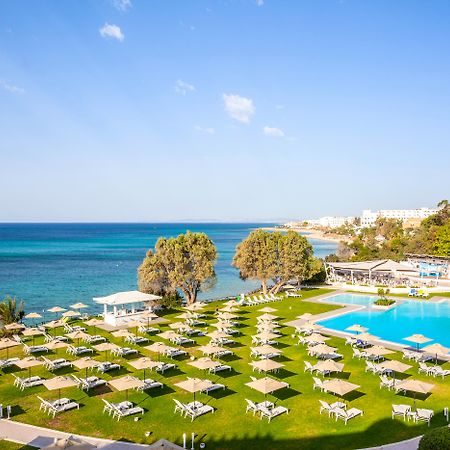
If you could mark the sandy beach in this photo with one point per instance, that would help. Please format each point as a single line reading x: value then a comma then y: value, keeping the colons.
x: 313, y: 234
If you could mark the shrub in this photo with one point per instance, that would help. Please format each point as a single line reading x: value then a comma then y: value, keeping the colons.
x: 438, y: 439
x: 384, y: 302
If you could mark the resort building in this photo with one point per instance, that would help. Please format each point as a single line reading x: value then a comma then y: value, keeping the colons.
x: 368, y: 217
x: 331, y: 221
x: 126, y: 306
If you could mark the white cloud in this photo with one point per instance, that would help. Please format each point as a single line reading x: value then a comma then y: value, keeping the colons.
x: 273, y: 132
x: 239, y: 108
x: 181, y: 87
x: 122, y: 5
x: 259, y: 2
x: 204, y: 130
x: 11, y: 88
x: 111, y: 31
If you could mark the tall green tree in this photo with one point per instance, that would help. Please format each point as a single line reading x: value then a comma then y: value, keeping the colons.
x: 185, y: 263
x: 11, y: 310
x: 275, y: 257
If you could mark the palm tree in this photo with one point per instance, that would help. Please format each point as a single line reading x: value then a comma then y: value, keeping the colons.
x: 443, y: 204
x: 11, y: 310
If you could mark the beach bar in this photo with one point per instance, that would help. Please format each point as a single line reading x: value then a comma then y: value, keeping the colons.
x: 126, y: 306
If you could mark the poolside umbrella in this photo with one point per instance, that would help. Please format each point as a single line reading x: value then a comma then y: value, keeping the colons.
x: 267, y: 335
x: 378, y: 350
x: 266, y: 317
x: 193, y: 385
x: 266, y: 365
x: 321, y: 349
x: 357, y: 328
x: 211, y: 349
x: 14, y: 326
x: 217, y: 334
x: 418, y: 339
x: 33, y: 315
x: 79, y: 306
x: 328, y: 365
x: 69, y: 314
x: 316, y: 337
x: 195, y: 306
x: 227, y: 316
x: 32, y: 332
x: 122, y: 334
x: 143, y: 364
x: 125, y: 383
x: 169, y: 334
x: 85, y: 363
x: 185, y: 316
x: 311, y: 326
x: 266, y: 350
x: 77, y: 335
x: 267, y: 385
x: 59, y: 383
x: 28, y: 363
x: 415, y: 386
x: 367, y: 337
x: 105, y: 347
x: 304, y: 316
x: 70, y: 443
x: 55, y: 345
x: 437, y: 350
x: 56, y: 309
x: 339, y: 387
x: 7, y: 343
x: 229, y: 309
x: 394, y: 366
x: 177, y: 325
x: 158, y: 347
x: 267, y: 309
x: 204, y: 363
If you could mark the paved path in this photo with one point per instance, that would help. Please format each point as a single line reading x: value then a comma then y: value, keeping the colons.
x: 41, y: 437
x: 410, y: 444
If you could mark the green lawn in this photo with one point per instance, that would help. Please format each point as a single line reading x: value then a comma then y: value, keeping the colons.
x: 229, y: 428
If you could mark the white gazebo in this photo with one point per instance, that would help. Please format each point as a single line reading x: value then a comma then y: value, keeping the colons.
x: 126, y: 306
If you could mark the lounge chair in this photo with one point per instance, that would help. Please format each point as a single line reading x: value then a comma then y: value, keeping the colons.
x: 23, y: 383
x: 107, y: 366
x: 386, y: 382
x: 8, y: 362
x: 162, y: 367
x: 324, y: 406
x: 182, y: 340
x: 273, y: 412
x: 89, y: 383
x: 251, y: 406
x: 49, y: 338
x: 359, y: 354
x: 346, y: 415
x: 219, y: 368
x: 28, y: 349
x: 78, y: 350
x: 371, y: 367
x: 150, y: 384
x: 423, y: 415
x: 410, y: 355
x: 94, y: 339
x: 194, y: 412
x: 124, y: 351
x: 400, y: 410
x: 136, y: 339
x: 56, y: 364
x: 308, y: 367
x: 213, y: 387
x: 427, y: 370
x: 149, y: 330
x: 350, y: 341
x: 438, y: 371
x: 318, y: 383
x: 58, y: 406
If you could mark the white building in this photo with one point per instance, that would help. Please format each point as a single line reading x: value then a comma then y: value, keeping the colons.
x: 331, y: 222
x: 368, y: 217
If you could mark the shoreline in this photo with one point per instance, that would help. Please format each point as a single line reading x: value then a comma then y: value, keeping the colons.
x: 313, y: 234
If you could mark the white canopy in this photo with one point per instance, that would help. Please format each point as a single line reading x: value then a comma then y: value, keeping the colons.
x: 383, y: 265
x: 123, y: 298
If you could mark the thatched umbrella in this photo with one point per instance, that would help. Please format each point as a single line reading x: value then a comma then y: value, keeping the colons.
x: 418, y: 339
x: 125, y: 383
x: 59, y: 383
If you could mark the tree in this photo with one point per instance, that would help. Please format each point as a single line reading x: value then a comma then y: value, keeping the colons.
x: 441, y: 244
x: 277, y: 257
x: 185, y: 263
x: 11, y: 310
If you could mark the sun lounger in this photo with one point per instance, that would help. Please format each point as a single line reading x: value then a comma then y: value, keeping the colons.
x: 149, y: 330
x: 165, y: 366
x: 182, y: 340
x: 424, y: 415
x: 255, y: 407
x: 427, y: 370
x: 89, y: 383
x: 400, y: 410
x: 174, y: 352
x: 78, y: 350
x: 34, y: 349
x: 308, y: 367
x: 136, y: 339
x: 150, y: 384
x: 213, y: 387
x: 110, y: 407
x: 119, y: 413
x: 58, y: 406
x: 56, y: 364
x: 219, y: 368
x: 318, y: 383
x: 107, y: 366
x: 94, y: 339
x: 346, y: 415
x: 359, y: 354
x: 124, y: 351
x: 438, y: 371
x: 194, y: 412
x: 69, y: 329
x: 271, y: 413
x: 23, y: 383
x: 386, y: 382
x: 350, y: 341
x: 324, y: 406
x: 8, y: 362
x: 49, y: 338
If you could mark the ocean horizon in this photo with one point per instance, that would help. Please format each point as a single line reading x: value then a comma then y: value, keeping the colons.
x: 48, y: 264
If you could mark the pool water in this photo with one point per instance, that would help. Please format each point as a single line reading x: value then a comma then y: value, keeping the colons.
x: 408, y: 317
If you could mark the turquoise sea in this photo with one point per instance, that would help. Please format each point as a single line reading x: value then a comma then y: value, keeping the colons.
x: 60, y: 264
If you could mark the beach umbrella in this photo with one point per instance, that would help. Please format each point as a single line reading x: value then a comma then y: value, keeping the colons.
x: 149, y: 315
x: 79, y: 306
x: 217, y: 334
x: 33, y: 332
x: 70, y: 314
x: 195, y: 307
x: 267, y: 335
x: 266, y: 365
x: 69, y: 443
x: 378, y: 350
x: 211, y: 349
x: 56, y: 309
x: 105, y: 347
x: 328, y: 365
x: 267, y: 309
x: 394, y: 366
x: 228, y: 309
x: 193, y: 385
x: 143, y: 364
x: 169, y: 334
x: 437, y: 350
x: 204, y: 363
x: 184, y: 316
x: 77, y: 335
x: 418, y: 339
x: 85, y: 363
x: 367, y: 337
x: 266, y: 349
x: 321, y: 349
x: 158, y: 347
x: 316, y: 337
x: 267, y: 385
x: 310, y: 326
x: 357, y: 328
x: 60, y: 382
x: 54, y: 324
x: 266, y: 317
x: 227, y: 316
x: 125, y: 383
x: 94, y: 322
x: 304, y: 316
x: 177, y: 325
x: 55, y: 345
x: 33, y: 315
x: 415, y: 386
x: 14, y: 326
x: 7, y: 343
x: 122, y: 334
x: 339, y: 387
x: 232, y: 303
x: 28, y: 363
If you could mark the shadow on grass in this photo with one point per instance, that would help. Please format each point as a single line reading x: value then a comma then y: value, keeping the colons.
x: 227, y: 373
x: 159, y: 392
x: 172, y: 373
x: 221, y: 393
x: 229, y: 358
x: 284, y: 394
x: 283, y: 373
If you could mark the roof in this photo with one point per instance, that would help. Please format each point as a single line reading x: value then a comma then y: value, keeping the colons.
x: 163, y: 444
x: 123, y: 298
x: 381, y: 265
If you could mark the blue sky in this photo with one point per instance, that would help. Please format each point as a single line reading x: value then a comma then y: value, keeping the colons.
x: 116, y: 110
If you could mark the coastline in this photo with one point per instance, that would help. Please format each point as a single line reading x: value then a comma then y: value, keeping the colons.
x: 312, y: 233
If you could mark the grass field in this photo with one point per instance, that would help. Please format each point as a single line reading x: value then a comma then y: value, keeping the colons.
x: 229, y: 428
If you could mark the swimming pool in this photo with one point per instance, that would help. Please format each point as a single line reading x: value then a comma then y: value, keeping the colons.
x: 408, y: 317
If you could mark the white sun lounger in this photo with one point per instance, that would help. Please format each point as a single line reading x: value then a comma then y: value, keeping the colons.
x: 346, y: 415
